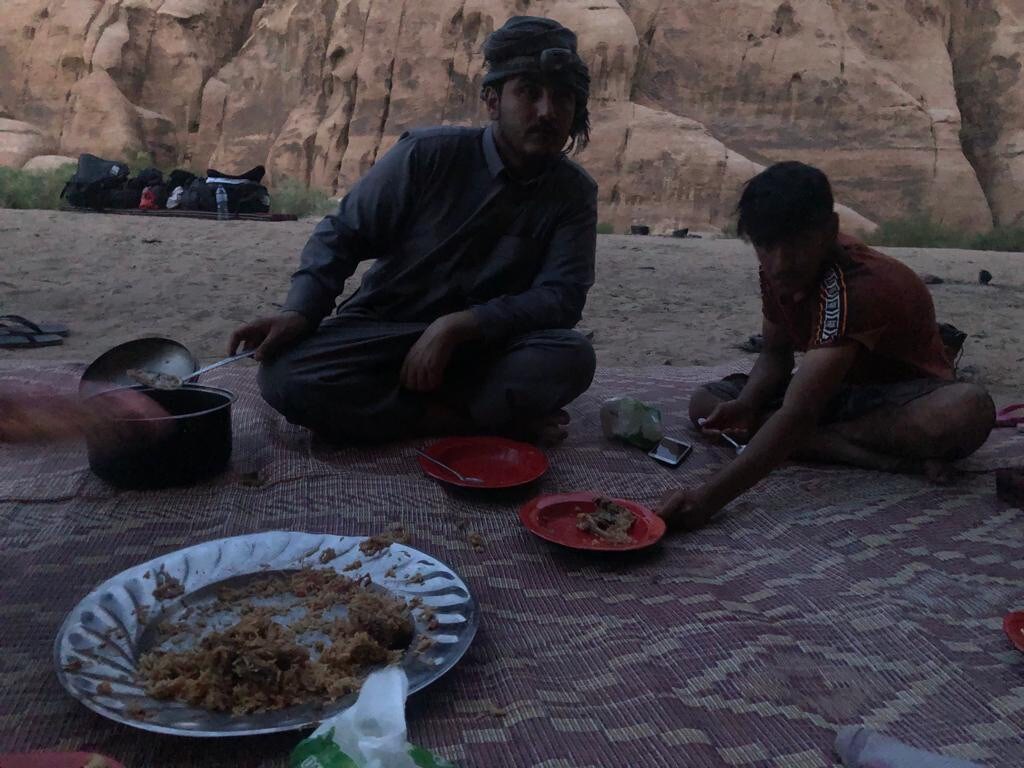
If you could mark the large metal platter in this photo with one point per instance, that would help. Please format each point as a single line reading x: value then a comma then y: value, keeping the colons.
x: 103, y: 638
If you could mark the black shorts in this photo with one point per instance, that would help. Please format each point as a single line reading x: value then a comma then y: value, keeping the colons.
x: 852, y: 402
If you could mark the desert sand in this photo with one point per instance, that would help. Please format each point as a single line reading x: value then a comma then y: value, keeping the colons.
x: 657, y: 301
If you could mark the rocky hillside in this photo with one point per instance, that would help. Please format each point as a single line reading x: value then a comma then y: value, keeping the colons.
x: 911, y: 105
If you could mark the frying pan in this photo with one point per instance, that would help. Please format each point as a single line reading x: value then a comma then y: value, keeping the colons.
x: 151, y: 353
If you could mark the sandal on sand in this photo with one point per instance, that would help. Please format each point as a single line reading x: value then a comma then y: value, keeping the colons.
x: 10, y: 340
x: 1010, y: 416
x: 19, y: 325
x: 753, y: 345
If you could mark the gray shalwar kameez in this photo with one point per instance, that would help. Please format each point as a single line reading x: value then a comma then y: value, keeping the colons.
x: 450, y: 231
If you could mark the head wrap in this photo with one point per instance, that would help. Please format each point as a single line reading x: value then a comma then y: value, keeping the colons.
x: 538, y: 46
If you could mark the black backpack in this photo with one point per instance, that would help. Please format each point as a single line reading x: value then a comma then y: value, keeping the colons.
x: 243, y: 197
x: 130, y: 195
x: 245, y: 193
x: 180, y: 178
x: 97, y: 183
x: 198, y: 197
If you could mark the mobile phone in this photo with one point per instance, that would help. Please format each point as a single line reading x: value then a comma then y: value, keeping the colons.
x: 671, y: 452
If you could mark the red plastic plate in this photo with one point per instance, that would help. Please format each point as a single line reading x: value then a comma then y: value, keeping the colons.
x: 498, y: 462
x: 554, y: 518
x: 1013, y: 626
x: 55, y: 760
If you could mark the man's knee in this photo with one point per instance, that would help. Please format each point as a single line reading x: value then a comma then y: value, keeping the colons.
x: 581, y: 359
x: 280, y: 387
x: 297, y: 393
x: 566, y: 355
x: 540, y: 373
x: 965, y: 419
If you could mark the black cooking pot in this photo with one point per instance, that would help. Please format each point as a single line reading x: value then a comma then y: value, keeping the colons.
x: 191, y: 443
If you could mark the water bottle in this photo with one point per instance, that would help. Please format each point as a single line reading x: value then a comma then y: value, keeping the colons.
x: 222, y: 204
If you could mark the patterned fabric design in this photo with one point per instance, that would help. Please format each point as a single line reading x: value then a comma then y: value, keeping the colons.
x: 832, y: 310
x: 826, y: 596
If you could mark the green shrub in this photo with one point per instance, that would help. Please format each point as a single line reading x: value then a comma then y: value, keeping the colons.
x: 292, y: 196
x: 918, y: 232
x: 605, y: 228
x: 1000, y: 239
x: 33, y: 189
x: 141, y: 161
x: 923, y: 232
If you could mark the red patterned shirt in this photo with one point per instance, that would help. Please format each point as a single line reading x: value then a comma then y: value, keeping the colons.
x: 869, y: 299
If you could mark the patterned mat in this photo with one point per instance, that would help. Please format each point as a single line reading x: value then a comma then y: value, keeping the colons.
x: 827, y: 596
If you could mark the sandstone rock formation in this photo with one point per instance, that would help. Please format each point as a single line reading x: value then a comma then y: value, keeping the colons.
x: 690, y: 96
x: 987, y: 40
x: 862, y: 89
x: 20, y: 141
x: 42, y: 163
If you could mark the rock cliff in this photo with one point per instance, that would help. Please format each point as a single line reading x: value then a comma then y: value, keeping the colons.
x: 910, y: 105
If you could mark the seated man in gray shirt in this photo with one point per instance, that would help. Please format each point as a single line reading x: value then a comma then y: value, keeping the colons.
x: 484, y: 242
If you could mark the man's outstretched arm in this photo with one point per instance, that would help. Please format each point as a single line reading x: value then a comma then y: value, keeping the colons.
x: 815, y: 383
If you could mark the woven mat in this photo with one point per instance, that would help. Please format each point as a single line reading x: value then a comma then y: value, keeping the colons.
x: 828, y: 596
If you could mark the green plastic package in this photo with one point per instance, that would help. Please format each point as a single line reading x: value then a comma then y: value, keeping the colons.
x: 369, y: 734
x: 628, y: 419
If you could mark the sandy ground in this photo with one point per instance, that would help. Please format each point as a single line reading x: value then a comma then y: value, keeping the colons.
x: 658, y: 301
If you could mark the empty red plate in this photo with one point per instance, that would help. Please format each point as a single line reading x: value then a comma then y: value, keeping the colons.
x: 495, y: 461
x: 554, y: 518
x: 1013, y: 626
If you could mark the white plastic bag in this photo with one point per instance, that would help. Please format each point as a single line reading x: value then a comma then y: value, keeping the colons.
x: 861, y: 747
x: 175, y: 198
x: 369, y: 734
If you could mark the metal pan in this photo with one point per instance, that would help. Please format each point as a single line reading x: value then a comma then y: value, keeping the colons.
x: 152, y: 353
x: 190, y: 444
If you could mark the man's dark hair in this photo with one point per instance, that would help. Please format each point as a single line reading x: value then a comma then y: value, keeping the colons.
x: 783, y: 201
x: 543, y: 48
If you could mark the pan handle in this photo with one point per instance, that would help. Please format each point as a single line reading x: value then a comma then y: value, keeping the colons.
x: 219, y: 363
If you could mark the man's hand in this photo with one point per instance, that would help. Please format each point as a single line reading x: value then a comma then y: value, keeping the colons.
x: 685, y: 508
x: 734, y: 417
x: 42, y: 416
x: 269, y: 335
x: 427, y: 361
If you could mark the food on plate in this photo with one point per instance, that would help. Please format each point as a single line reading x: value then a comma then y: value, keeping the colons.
x: 258, y: 663
x: 167, y: 587
x: 608, y: 521
x: 380, y: 542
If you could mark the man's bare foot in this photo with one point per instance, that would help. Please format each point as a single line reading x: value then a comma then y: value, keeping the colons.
x: 939, y: 472
x: 830, y: 445
x: 936, y: 471
x: 545, y: 430
x: 442, y: 419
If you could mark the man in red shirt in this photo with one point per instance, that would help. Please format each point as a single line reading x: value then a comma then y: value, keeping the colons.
x: 875, y: 388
